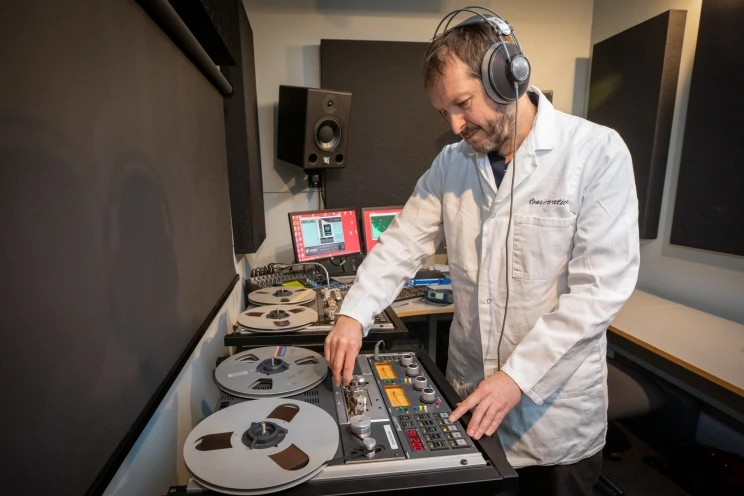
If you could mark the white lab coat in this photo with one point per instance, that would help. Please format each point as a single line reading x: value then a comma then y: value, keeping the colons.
x: 573, y: 262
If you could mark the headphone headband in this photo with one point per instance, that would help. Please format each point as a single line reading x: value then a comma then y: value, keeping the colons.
x: 505, y: 70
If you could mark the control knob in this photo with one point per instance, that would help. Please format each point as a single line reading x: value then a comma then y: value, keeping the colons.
x: 361, y: 426
x: 419, y: 383
x: 369, y: 447
x: 428, y: 395
x: 358, y: 380
x: 406, y: 360
x: 412, y: 370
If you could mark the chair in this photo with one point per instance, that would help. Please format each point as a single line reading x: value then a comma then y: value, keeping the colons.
x: 631, y: 394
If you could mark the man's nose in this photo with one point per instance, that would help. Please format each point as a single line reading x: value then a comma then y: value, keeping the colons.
x: 458, y: 123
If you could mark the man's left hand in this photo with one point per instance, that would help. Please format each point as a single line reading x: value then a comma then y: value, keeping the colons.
x: 492, y: 400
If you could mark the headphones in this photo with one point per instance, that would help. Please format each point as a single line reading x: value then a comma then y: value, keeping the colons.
x: 504, y: 66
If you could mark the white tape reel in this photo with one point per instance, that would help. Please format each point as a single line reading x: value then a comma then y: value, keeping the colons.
x: 275, y: 371
x: 282, y: 296
x: 259, y: 447
x: 277, y: 318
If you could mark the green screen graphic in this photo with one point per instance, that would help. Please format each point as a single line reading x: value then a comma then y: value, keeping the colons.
x: 380, y: 222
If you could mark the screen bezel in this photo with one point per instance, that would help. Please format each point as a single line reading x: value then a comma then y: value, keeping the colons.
x: 364, y: 222
x: 327, y: 210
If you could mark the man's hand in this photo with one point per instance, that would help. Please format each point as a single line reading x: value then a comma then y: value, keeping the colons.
x: 492, y: 399
x: 342, y: 347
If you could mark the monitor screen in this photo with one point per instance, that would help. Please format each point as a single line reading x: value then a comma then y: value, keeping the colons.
x: 324, y: 234
x: 375, y: 221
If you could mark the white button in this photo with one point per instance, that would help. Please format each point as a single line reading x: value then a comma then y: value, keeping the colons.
x: 461, y: 442
x: 456, y: 434
x: 488, y: 300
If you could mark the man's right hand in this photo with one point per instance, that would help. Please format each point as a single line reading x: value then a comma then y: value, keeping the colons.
x: 342, y: 347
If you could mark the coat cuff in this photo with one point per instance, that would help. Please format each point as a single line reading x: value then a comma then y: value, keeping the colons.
x: 522, y: 383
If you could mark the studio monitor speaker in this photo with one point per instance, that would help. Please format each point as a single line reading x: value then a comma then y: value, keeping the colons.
x: 313, y: 127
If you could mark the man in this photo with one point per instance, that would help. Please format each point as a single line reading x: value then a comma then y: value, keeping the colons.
x: 534, y: 368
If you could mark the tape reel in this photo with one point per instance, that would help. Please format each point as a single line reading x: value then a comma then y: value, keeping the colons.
x: 282, y: 295
x: 270, y: 372
x: 259, y: 447
x: 277, y: 318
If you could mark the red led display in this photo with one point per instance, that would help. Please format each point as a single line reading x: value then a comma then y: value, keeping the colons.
x: 416, y: 444
x: 414, y: 439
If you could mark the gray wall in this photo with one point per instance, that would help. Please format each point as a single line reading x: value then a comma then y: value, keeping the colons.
x: 116, y: 229
x: 287, y: 33
x: 708, y: 281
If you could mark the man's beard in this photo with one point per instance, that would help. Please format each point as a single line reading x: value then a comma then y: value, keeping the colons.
x: 496, y: 130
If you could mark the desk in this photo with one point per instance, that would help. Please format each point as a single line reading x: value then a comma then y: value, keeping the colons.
x: 698, y: 352
x: 420, y: 307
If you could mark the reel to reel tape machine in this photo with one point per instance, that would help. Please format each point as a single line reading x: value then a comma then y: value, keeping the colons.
x: 281, y: 425
x: 303, y: 317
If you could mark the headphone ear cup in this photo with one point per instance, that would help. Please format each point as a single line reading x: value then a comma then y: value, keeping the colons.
x: 496, y: 74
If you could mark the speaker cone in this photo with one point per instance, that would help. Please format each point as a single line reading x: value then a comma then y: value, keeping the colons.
x: 327, y: 134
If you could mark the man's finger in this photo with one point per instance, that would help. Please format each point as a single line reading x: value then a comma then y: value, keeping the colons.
x: 328, y: 350
x: 466, y: 405
x: 494, y: 425
x: 348, y: 366
x: 474, y: 426
x: 488, y: 417
x: 338, y: 365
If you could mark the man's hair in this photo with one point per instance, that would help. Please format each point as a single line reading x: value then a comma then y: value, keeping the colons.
x: 468, y: 43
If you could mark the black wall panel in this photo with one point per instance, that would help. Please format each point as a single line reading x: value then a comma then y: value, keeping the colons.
x: 115, y: 221
x: 632, y: 90
x: 243, y: 145
x: 708, y: 208
x: 214, y: 24
x: 395, y: 132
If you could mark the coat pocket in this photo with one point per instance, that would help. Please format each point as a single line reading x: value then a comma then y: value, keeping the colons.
x: 541, y: 246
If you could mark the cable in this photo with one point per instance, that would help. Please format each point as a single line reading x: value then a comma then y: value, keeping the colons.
x: 338, y: 264
x: 508, y: 228
x: 321, y: 190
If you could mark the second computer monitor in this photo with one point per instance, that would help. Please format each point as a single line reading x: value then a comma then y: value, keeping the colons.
x: 324, y: 234
x: 375, y: 221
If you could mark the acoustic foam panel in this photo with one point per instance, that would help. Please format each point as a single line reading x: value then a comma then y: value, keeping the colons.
x: 708, y: 207
x: 214, y: 24
x: 633, y: 86
x: 395, y: 132
x: 243, y: 144
x: 115, y: 219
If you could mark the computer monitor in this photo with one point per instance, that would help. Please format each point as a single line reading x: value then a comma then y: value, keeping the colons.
x: 375, y: 221
x: 323, y: 234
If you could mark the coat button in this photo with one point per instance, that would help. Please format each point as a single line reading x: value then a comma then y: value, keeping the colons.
x: 488, y: 300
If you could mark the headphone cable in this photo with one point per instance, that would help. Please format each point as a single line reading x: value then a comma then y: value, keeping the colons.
x: 508, y: 228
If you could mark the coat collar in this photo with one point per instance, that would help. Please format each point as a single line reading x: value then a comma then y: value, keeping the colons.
x: 541, y: 137
x: 543, y: 130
